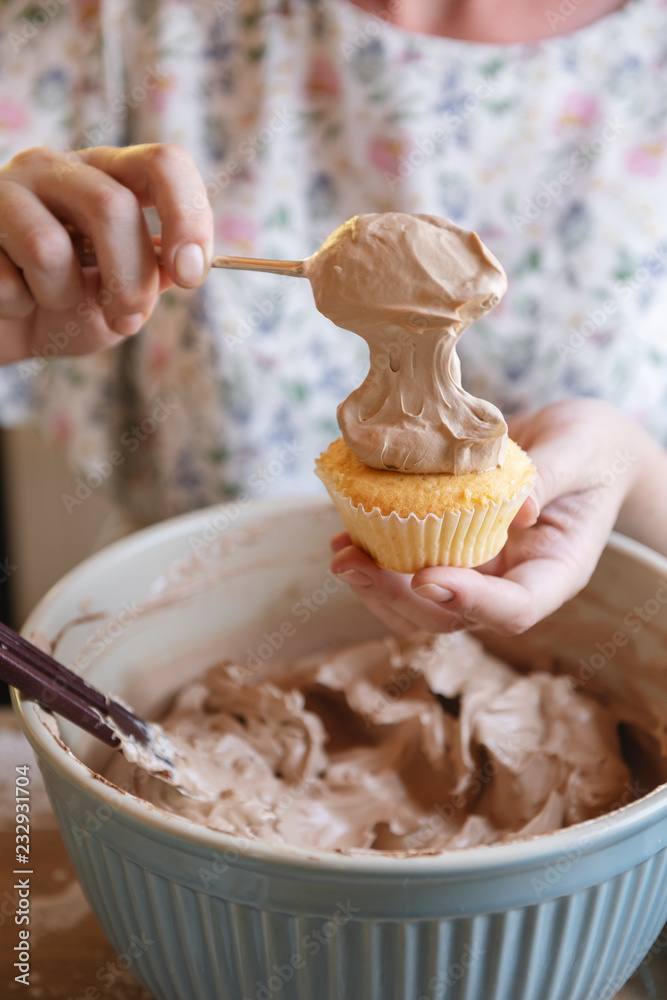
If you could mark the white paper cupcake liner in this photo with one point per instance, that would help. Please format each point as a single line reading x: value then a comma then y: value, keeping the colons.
x: 467, y: 537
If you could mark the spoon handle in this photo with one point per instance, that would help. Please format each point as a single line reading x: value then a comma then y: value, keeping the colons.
x: 85, y: 251
x: 294, y: 268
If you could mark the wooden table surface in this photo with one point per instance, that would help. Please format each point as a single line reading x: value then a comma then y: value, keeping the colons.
x: 70, y: 957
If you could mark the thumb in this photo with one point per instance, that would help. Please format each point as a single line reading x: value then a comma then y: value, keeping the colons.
x: 558, y: 473
x: 553, y: 479
x: 562, y: 468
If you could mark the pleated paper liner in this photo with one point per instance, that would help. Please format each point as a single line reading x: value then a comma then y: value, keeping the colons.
x: 466, y: 537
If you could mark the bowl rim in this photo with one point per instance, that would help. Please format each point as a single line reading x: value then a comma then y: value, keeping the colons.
x: 604, y: 831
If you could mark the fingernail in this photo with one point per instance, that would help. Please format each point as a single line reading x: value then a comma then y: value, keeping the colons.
x: 190, y: 264
x: 432, y: 592
x: 532, y: 507
x: 353, y: 576
x: 127, y: 325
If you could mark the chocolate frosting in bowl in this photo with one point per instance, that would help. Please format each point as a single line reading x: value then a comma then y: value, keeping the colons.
x: 410, y: 285
x: 396, y: 745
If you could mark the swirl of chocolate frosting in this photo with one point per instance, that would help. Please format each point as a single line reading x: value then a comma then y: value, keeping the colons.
x: 410, y: 285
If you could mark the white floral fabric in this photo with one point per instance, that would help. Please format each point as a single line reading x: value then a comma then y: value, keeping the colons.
x: 300, y: 114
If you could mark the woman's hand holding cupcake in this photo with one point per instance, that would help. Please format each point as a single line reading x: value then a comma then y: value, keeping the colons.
x: 596, y: 469
x: 431, y: 481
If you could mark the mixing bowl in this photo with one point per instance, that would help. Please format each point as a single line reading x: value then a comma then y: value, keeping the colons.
x: 205, y: 916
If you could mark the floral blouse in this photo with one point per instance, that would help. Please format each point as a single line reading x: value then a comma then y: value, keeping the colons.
x: 300, y: 114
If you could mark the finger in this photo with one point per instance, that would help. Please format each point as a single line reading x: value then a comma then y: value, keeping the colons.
x: 390, y: 596
x: 111, y: 215
x: 55, y: 334
x: 421, y: 615
x: 518, y: 425
x: 165, y: 280
x: 558, y: 472
x: 39, y: 246
x: 340, y: 541
x: 497, y: 603
x: 376, y: 601
x: 508, y: 605
x: 558, y: 468
x: 164, y: 175
x: 16, y: 301
x: 569, y: 461
x: 528, y: 513
x: 352, y: 564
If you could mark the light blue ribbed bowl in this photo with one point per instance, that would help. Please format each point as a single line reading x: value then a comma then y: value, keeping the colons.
x: 205, y: 916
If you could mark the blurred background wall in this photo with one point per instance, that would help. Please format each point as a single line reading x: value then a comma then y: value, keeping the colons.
x: 42, y: 539
x: 39, y: 540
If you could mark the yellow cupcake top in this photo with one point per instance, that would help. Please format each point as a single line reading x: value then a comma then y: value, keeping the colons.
x: 425, y: 493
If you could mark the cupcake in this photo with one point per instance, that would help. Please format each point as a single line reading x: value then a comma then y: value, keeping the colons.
x: 425, y: 473
x: 406, y: 522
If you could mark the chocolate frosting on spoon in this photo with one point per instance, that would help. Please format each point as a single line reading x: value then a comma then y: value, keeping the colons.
x: 410, y: 285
